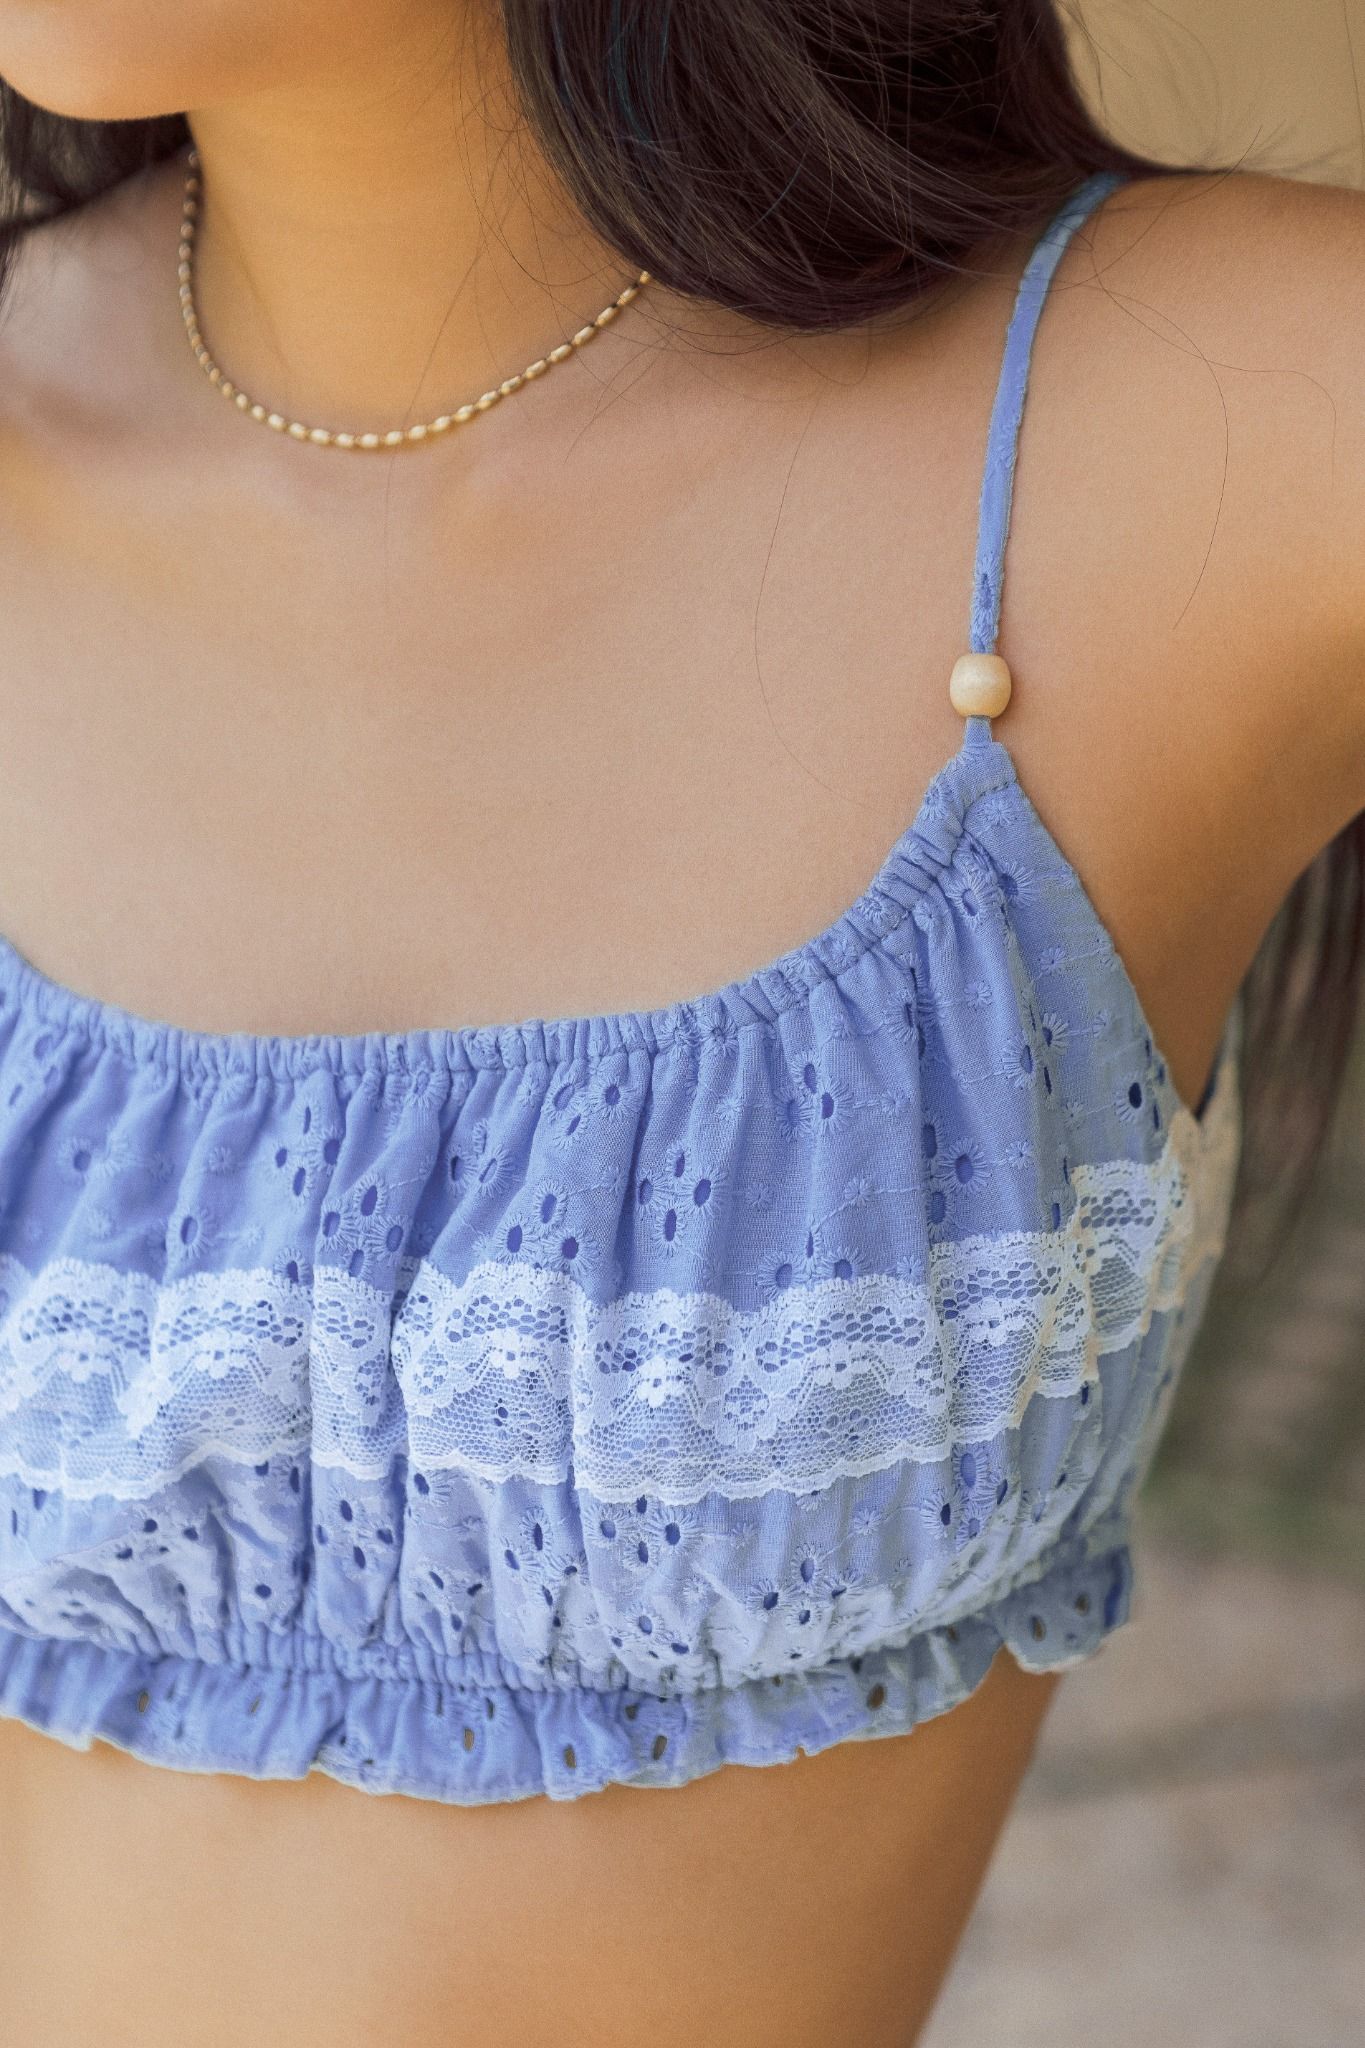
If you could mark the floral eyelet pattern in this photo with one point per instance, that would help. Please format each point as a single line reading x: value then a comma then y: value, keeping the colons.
x: 646, y: 1391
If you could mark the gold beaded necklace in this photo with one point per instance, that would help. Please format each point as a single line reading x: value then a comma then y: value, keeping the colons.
x: 324, y: 437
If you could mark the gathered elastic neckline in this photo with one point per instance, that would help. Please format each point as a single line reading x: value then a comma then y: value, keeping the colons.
x: 980, y: 767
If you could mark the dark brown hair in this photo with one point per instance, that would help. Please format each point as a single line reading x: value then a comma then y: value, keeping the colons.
x: 811, y: 164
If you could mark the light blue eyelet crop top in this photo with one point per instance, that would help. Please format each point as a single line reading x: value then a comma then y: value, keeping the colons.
x: 476, y: 1413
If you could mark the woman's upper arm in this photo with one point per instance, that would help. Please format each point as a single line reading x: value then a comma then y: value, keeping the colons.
x: 1302, y: 248
x: 1262, y: 280
x: 1317, y: 325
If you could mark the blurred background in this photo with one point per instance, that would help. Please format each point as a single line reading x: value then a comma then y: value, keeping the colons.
x: 1187, y: 1861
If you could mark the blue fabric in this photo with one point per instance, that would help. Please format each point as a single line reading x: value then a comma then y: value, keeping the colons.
x: 475, y: 1413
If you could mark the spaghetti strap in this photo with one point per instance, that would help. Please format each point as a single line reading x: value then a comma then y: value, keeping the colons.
x: 1002, y: 440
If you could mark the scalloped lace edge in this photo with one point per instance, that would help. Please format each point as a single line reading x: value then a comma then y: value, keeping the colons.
x: 515, y: 1372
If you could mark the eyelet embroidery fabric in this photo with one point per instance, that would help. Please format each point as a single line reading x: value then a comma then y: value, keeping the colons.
x: 517, y: 1373
x: 481, y: 1413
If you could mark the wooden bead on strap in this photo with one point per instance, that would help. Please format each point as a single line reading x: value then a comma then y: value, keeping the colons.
x: 980, y: 685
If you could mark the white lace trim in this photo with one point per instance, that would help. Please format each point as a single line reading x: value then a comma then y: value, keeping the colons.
x: 113, y: 1383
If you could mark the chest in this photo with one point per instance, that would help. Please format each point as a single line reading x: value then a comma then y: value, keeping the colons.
x: 609, y: 716
x: 549, y: 742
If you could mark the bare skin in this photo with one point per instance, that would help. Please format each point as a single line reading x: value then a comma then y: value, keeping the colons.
x: 600, y: 704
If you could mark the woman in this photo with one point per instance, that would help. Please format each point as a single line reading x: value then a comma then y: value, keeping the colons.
x: 669, y: 1450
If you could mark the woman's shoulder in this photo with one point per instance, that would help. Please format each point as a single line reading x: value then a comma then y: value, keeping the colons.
x: 1183, y: 605
x: 1256, y: 283
x: 1194, y: 447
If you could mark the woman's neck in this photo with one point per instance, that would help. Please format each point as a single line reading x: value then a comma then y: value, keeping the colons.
x: 379, y: 245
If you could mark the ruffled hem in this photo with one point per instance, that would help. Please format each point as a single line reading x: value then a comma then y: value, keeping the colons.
x: 470, y: 1746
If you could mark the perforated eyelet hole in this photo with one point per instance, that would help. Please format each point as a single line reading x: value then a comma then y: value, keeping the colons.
x: 467, y: 1737
x: 877, y: 1696
x: 658, y: 1746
